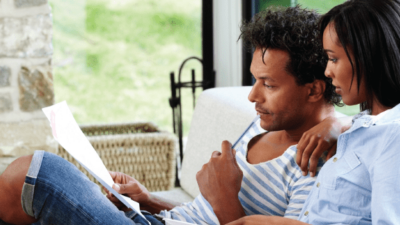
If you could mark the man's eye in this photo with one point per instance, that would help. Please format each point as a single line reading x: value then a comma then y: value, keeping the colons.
x: 267, y: 86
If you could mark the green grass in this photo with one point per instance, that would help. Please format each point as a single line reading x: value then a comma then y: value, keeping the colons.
x: 113, y: 58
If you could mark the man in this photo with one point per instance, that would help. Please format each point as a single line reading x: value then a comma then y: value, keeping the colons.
x: 291, y: 94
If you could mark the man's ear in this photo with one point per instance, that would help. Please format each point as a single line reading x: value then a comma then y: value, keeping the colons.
x: 316, y: 90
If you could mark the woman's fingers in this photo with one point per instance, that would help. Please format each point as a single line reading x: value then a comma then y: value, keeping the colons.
x: 314, y: 158
x: 332, y: 151
x: 304, y: 140
x: 312, y: 144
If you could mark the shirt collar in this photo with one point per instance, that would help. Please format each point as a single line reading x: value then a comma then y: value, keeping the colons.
x: 387, y: 116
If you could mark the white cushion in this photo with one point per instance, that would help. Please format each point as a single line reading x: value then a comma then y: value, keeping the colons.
x: 220, y: 114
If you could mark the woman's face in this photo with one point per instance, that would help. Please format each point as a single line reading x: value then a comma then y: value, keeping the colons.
x: 340, y: 70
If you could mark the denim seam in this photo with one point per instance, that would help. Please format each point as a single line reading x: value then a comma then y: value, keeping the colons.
x: 28, y: 190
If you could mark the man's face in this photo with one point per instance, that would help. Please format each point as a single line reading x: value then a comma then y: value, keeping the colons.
x: 279, y: 99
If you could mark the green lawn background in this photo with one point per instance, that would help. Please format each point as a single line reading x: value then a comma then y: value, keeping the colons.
x: 113, y: 58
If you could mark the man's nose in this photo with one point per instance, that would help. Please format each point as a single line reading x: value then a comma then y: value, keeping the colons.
x: 255, y: 95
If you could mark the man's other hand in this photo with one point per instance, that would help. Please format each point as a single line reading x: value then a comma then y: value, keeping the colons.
x: 130, y: 187
x: 220, y: 181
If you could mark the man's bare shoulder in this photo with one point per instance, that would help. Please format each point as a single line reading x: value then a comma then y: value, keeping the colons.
x: 267, y: 146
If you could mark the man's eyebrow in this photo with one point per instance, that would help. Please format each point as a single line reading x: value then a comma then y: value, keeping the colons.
x: 264, y: 77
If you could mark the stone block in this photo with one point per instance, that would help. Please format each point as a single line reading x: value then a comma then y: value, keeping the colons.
x: 5, y: 74
x: 26, y: 37
x: 28, y: 3
x: 5, y: 103
x: 23, y: 138
x: 35, y: 87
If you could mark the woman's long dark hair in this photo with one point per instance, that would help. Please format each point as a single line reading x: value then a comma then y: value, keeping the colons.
x: 370, y: 31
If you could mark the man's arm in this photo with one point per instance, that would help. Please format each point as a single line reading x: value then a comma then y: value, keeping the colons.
x: 220, y: 181
x: 130, y: 187
x: 199, y: 211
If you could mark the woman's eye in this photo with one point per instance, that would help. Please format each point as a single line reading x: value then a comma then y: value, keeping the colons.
x: 333, y: 60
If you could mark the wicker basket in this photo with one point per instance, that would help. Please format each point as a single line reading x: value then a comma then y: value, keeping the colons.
x: 137, y: 149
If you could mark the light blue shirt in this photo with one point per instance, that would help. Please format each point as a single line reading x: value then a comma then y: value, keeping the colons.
x: 361, y: 183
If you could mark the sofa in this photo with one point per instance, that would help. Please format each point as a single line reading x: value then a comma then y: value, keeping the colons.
x: 220, y: 114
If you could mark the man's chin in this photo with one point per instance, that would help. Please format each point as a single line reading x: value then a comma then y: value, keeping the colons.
x: 267, y: 125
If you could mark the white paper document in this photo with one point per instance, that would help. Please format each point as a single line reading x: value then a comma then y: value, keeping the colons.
x: 69, y: 135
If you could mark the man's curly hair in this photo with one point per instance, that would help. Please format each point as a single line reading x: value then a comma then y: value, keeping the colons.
x: 296, y: 31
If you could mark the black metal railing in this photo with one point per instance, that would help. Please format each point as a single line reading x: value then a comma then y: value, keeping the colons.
x: 176, y: 103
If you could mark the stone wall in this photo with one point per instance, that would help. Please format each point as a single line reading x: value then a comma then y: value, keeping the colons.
x: 26, y: 80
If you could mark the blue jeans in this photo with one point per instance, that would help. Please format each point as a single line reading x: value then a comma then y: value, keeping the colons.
x: 56, y: 192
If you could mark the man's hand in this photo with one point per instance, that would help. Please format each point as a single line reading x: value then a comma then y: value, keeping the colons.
x: 314, y: 142
x: 130, y: 187
x: 220, y: 181
x: 261, y: 220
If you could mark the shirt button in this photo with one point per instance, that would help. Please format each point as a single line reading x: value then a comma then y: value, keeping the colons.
x: 334, y: 159
x: 306, y: 213
x: 318, y: 184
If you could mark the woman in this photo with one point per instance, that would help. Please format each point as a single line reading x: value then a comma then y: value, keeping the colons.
x: 360, y: 184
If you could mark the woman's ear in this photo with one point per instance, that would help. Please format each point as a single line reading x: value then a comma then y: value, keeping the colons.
x: 316, y: 90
